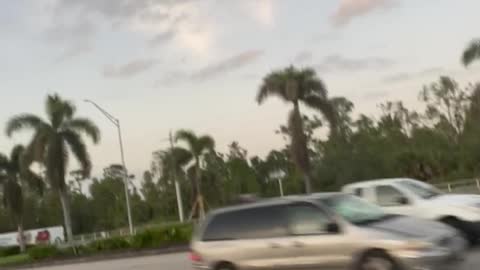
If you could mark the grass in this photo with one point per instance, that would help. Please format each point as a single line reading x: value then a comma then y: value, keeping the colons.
x: 15, y: 260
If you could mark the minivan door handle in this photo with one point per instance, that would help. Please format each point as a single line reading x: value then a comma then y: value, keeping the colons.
x: 274, y: 245
x: 298, y: 244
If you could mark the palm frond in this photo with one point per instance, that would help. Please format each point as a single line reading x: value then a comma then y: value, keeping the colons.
x: 274, y: 84
x: 3, y: 178
x: 58, y: 110
x: 23, y: 121
x: 13, y: 196
x: 85, y: 126
x: 79, y: 150
x: 38, y: 145
x: 16, y: 155
x: 325, y: 107
x: 186, y: 136
x: 471, y: 53
x: 33, y: 180
x: 4, y: 162
x: 206, y: 143
x: 310, y: 84
x: 181, y: 156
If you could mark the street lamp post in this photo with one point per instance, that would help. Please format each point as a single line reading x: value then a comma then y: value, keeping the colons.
x: 116, y: 122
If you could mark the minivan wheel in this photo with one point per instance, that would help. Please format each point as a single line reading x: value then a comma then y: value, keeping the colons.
x: 225, y: 266
x: 376, y: 260
x: 463, y: 228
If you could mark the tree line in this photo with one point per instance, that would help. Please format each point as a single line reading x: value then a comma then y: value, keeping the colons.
x: 436, y: 144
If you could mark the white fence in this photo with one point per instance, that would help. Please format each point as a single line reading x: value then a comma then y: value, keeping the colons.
x: 468, y: 186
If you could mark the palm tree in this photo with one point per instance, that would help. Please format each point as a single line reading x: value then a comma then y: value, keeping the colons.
x: 471, y: 53
x: 13, y: 174
x: 198, y: 147
x: 172, y: 161
x: 52, y: 142
x: 299, y: 86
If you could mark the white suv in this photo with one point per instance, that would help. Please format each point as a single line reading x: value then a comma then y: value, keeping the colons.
x: 415, y: 198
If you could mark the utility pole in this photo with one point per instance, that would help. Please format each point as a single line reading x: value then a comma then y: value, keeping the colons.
x: 116, y: 122
x: 175, y: 179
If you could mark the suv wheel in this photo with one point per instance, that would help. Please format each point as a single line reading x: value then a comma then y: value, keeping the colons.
x: 225, y: 266
x: 376, y: 260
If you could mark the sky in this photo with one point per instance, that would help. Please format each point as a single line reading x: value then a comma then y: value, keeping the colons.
x: 163, y: 65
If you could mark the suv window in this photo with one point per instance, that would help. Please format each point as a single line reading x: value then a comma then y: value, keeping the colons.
x: 258, y: 222
x: 388, y: 196
x: 305, y: 219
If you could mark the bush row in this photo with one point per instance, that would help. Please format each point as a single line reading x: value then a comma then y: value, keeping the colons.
x: 10, y: 251
x: 150, y: 238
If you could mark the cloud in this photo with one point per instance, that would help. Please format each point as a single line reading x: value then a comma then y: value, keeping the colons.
x: 337, y: 62
x: 373, y: 95
x: 326, y: 36
x: 129, y: 69
x: 263, y: 11
x: 349, y: 9
x: 211, y: 71
x: 74, y: 50
x: 227, y: 65
x: 405, y: 76
x: 162, y: 38
x: 76, y: 38
x: 79, y: 30
x: 303, y: 56
x: 160, y: 21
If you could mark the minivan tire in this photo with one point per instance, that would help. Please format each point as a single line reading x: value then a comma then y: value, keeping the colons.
x: 225, y: 266
x: 376, y: 260
x: 463, y: 228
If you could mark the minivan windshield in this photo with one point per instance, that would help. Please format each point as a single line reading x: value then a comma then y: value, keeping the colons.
x: 421, y: 190
x: 354, y: 210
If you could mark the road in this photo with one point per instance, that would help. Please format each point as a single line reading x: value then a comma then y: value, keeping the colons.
x: 179, y: 261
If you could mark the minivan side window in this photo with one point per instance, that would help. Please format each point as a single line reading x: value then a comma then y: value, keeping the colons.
x: 257, y: 222
x: 388, y: 196
x: 306, y: 219
x: 358, y: 192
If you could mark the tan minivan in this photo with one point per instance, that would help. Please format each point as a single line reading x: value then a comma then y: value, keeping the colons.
x: 322, y: 231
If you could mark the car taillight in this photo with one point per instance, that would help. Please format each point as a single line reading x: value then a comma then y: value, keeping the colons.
x: 194, y: 257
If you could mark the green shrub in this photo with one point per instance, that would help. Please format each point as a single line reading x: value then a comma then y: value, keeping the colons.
x: 43, y: 252
x: 10, y: 251
x: 115, y: 243
x: 158, y: 237
x: 86, y: 250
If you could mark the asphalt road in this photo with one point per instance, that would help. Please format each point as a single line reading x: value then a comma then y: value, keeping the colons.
x: 179, y: 261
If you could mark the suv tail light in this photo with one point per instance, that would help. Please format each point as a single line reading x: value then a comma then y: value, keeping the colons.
x: 195, y: 257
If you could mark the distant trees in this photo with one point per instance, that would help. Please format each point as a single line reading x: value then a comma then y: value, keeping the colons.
x: 14, y: 175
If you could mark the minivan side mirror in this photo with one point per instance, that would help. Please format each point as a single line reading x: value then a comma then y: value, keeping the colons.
x: 403, y: 200
x: 333, y: 227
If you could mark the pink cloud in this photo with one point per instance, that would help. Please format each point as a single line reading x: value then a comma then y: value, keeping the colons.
x: 349, y: 9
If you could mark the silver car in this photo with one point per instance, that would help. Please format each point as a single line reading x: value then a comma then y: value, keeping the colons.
x: 322, y: 231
